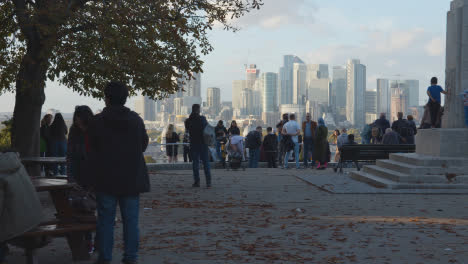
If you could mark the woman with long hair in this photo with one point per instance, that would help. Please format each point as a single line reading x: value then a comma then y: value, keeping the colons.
x: 78, y: 167
x: 234, y: 129
x: 78, y: 144
x: 334, y: 140
x: 171, y: 138
x: 58, y: 134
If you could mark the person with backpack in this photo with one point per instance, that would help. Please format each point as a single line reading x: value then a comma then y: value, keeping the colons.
x: 270, y: 146
x: 403, y: 128
x: 195, y: 125
x: 221, y: 133
x: 253, y: 143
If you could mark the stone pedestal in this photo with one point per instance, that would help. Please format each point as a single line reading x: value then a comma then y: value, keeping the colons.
x: 445, y: 142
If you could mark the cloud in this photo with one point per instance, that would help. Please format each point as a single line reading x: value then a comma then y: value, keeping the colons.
x: 435, y: 47
x: 277, y: 13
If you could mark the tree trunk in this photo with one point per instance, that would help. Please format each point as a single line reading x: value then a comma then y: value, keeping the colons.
x: 30, y: 97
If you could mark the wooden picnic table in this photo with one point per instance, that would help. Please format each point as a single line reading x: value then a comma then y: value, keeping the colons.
x: 64, y: 225
x: 44, y: 160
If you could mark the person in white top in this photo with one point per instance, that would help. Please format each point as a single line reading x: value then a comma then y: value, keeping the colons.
x: 292, y: 129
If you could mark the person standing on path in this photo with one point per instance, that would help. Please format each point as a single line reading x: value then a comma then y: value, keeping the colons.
x: 253, y: 143
x: 270, y: 146
x: 434, y: 103
x: 410, y: 139
x: 234, y: 129
x: 117, y: 140
x: 403, y: 128
x: 291, y: 128
x: 172, y: 138
x: 321, y: 144
x: 46, y: 141
x: 281, y: 139
x: 220, y: 132
x: 308, y: 130
x: 58, y: 135
x: 195, y: 125
x: 382, y: 123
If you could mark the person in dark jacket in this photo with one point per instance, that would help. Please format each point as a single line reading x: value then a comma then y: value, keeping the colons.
x: 46, y: 141
x: 172, y: 138
x: 382, y: 123
x: 391, y: 137
x: 220, y: 132
x: 254, y: 142
x: 195, y: 125
x: 410, y: 139
x: 118, y: 138
x: 270, y: 146
x: 77, y: 159
x: 187, y: 154
x: 58, y: 135
x: 234, y: 129
x: 403, y: 128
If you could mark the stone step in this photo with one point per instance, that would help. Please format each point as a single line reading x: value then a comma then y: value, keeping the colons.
x: 409, y: 169
x: 380, y: 182
x: 372, y: 179
x: 413, y: 178
x: 428, y: 161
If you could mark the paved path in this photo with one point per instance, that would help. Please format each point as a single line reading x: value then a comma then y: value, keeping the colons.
x: 271, y: 216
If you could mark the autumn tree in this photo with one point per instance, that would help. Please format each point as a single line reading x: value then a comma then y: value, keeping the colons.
x: 83, y: 44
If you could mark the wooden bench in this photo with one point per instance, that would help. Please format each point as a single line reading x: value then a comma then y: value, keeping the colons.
x: 41, y: 236
x: 369, y: 153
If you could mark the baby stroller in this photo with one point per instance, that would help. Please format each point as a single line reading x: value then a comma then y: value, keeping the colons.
x: 235, y: 152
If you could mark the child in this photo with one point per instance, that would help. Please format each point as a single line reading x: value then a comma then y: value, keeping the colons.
x: 270, y: 145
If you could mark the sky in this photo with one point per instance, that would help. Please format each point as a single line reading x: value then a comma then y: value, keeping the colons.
x: 396, y: 39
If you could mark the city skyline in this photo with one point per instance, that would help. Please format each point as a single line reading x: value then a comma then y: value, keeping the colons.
x: 382, y: 40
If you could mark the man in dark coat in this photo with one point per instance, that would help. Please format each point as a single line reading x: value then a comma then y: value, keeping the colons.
x: 382, y: 123
x: 195, y: 125
x: 117, y: 139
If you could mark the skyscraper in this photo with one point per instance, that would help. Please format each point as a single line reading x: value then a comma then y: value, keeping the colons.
x: 251, y: 75
x: 356, y: 87
x: 399, y: 103
x: 318, y: 71
x: 413, y: 92
x: 269, y: 81
x: 213, y: 99
x: 383, y: 97
x: 145, y: 107
x: 371, y: 102
x: 299, y: 83
x: 246, y: 102
x: 237, y: 87
x: 285, y: 83
x: 339, y: 89
x: 318, y: 91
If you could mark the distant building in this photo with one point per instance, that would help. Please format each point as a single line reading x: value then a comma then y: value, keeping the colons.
x: 246, y: 104
x: 285, y: 82
x: 213, y: 99
x: 383, y: 97
x: 399, y: 103
x: 299, y: 83
x: 339, y: 89
x: 178, y: 105
x: 145, y: 107
x: 317, y: 71
x: 356, y: 87
x: 413, y: 92
x: 318, y: 91
x: 298, y: 110
x: 251, y: 75
x: 190, y: 87
x: 237, y: 87
x: 371, y: 102
x: 269, y: 80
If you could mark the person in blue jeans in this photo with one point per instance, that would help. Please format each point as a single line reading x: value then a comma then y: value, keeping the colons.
x: 292, y: 129
x: 195, y: 125
x: 58, y: 134
x: 117, y: 139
